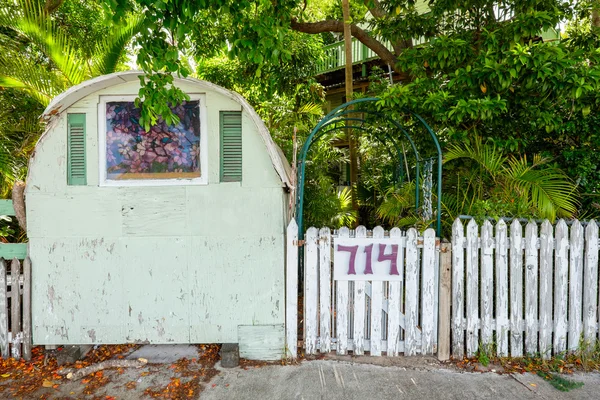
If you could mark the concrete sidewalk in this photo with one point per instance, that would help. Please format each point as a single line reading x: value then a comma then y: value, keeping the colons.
x: 332, y: 379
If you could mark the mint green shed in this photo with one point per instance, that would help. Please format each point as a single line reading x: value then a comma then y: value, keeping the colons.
x: 175, y: 235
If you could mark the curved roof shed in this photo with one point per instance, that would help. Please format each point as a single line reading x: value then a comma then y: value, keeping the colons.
x: 171, y: 235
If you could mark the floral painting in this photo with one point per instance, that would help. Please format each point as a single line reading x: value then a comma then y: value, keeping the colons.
x: 164, y: 152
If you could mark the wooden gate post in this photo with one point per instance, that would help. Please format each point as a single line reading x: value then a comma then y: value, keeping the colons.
x: 445, y: 300
x: 291, y: 290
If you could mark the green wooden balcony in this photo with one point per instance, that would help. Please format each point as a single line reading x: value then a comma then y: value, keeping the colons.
x: 334, y: 57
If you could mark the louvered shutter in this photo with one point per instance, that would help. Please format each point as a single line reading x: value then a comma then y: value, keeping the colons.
x: 76, y: 149
x: 231, y: 146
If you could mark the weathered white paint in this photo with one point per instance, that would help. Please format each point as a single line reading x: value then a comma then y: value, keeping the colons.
x: 472, y: 270
x: 291, y: 289
x: 516, y: 289
x: 204, y: 259
x: 379, y: 311
x: 325, y: 291
x: 359, y: 305
x: 565, y: 270
x: 458, y: 292
x: 15, y: 300
x: 502, y: 326
x: 575, y: 285
x: 546, y: 289
x: 376, y: 306
x: 444, y: 302
x: 342, y: 304
x: 311, y: 289
x: 531, y: 288
x: 412, y: 290
x: 590, y: 282
x: 261, y: 342
x: 428, y: 290
x: 561, y: 286
x: 487, y: 281
x: 395, y: 301
x: 3, y: 311
x: 27, y: 309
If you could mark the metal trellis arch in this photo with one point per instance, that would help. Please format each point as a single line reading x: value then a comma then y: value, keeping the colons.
x: 342, y: 114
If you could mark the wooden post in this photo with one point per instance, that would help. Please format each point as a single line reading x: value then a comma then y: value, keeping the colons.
x: 15, y: 325
x: 359, y: 306
x: 3, y: 311
x: 342, y: 310
x: 311, y: 290
x: 325, y: 290
x: 458, y: 289
x: 412, y: 293
x: 291, y: 282
x: 27, y: 309
x: 445, y: 299
x: 428, y: 292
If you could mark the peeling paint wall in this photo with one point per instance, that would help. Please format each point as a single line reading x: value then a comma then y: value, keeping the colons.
x: 172, y: 264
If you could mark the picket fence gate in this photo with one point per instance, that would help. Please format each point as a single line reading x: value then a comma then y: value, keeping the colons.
x: 536, y: 294
x: 15, y: 309
x: 396, y: 316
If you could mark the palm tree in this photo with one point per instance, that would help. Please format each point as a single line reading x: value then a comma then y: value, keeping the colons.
x: 51, y: 63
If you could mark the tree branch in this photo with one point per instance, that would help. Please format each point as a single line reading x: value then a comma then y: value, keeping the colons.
x: 338, y: 26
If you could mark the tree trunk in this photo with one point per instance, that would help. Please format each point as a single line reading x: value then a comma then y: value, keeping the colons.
x: 349, y: 89
x: 596, y: 15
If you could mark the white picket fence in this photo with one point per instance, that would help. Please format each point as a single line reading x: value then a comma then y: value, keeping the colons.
x: 15, y: 309
x: 398, y: 316
x: 536, y: 294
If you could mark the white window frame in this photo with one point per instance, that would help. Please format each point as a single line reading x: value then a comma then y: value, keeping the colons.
x: 202, y: 180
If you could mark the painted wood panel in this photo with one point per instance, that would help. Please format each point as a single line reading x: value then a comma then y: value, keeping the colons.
x: 502, y: 326
x: 575, y: 285
x: 261, y: 342
x: 561, y: 286
x: 531, y: 289
x: 472, y: 286
x: 590, y: 282
x: 458, y: 289
x: 516, y: 289
x: 546, y: 289
x: 487, y: 283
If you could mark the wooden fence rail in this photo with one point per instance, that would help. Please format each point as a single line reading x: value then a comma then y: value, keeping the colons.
x: 15, y: 309
x: 531, y: 294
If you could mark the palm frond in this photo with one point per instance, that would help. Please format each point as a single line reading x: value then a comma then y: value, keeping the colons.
x: 18, y: 71
x: 549, y: 189
x: 487, y: 156
x: 105, y: 59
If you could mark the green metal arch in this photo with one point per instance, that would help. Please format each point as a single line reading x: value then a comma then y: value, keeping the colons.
x: 334, y: 117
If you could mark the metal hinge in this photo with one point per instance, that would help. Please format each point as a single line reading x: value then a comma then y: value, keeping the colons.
x: 299, y: 243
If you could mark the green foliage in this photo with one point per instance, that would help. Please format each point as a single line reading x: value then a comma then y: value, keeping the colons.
x: 558, y: 382
x: 528, y: 188
x: 42, y: 53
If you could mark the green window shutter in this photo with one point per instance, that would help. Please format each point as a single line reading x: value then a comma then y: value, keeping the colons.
x: 76, y: 149
x: 231, y: 146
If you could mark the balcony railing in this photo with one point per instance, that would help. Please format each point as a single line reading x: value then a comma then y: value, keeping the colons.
x: 335, y: 54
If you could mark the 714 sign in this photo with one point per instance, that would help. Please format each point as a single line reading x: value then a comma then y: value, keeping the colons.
x: 367, y: 259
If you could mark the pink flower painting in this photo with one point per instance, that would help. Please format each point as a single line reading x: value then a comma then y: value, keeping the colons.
x: 164, y: 152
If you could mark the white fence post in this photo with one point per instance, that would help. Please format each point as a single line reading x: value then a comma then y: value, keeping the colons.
x: 291, y: 301
x: 590, y: 282
x: 472, y: 269
x: 546, y: 289
x: 458, y: 290
x: 487, y: 283
x: 325, y: 289
x: 428, y: 287
x: 575, y: 285
x: 359, y: 306
x: 395, y: 301
x: 560, y: 287
x: 412, y: 293
x: 311, y: 290
x: 502, y: 326
x: 516, y: 289
x: 3, y: 310
x: 531, y: 288
x: 376, y: 306
x: 342, y: 304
